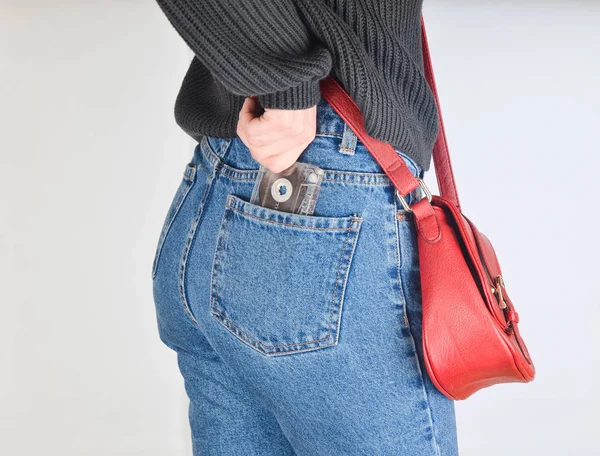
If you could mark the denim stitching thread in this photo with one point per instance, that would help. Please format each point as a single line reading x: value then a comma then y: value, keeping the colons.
x: 342, y: 258
x: 350, y: 255
x: 328, y: 133
x: 348, y: 144
x: 262, y: 219
x: 259, y: 346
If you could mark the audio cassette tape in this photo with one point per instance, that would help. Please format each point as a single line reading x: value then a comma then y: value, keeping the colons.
x: 293, y: 190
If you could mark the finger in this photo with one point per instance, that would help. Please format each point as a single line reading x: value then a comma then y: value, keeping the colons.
x: 258, y: 130
x: 284, y: 153
x: 274, y: 125
x: 274, y: 144
x: 282, y: 164
x: 274, y: 148
x: 247, y: 111
x: 283, y: 123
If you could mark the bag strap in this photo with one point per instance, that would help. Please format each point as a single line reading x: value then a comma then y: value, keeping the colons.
x: 441, y: 154
x: 391, y: 162
x: 393, y: 165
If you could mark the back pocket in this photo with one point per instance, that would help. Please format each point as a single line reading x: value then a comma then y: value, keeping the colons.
x: 278, y: 279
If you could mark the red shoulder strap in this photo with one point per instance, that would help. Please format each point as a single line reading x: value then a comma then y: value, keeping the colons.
x: 384, y: 153
x: 441, y: 154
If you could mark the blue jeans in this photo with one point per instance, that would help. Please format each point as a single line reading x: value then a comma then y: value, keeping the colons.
x: 295, y: 334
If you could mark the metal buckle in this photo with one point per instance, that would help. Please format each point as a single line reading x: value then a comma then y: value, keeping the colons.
x: 423, y: 186
x: 499, y: 282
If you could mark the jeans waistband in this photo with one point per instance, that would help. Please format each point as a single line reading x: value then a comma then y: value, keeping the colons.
x: 336, y: 149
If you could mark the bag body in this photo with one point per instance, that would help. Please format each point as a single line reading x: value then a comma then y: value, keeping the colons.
x: 471, y: 338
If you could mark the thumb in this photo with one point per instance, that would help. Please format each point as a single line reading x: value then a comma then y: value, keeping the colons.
x: 249, y: 109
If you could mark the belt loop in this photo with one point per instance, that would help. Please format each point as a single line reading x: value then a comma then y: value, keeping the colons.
x: 218, y: 145
x: 348, y: 143
x: 224, y: 147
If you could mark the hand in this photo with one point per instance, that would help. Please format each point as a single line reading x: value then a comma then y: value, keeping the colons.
x: 277, y: 137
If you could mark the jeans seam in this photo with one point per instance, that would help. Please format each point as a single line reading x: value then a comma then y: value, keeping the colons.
x: 189, y: 241
x: 420, y: 370
x: 399, y: 262
x: 425, y: 395
x: 189, y: 181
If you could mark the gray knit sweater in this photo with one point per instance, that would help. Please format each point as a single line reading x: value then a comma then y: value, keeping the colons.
x: 280, y: 49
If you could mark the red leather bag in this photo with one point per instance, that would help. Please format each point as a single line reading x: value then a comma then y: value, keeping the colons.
x: 471, y: 338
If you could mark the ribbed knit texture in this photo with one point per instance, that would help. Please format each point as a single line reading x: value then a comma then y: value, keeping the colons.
x: 280, y: 49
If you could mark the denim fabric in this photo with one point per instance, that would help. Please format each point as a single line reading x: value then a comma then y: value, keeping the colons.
x: 295, y: 334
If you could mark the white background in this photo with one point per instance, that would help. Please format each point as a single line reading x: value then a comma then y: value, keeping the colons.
x: 90, y: 157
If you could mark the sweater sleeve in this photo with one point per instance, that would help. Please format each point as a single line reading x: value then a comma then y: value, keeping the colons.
x: 254, y: 47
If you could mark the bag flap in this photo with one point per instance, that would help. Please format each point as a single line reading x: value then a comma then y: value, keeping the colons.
x: 479, y: 253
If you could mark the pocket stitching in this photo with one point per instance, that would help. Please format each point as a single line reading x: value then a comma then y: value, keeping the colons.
x: 331, y: 306
x: 304, y: 227
x: 355, y: 225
